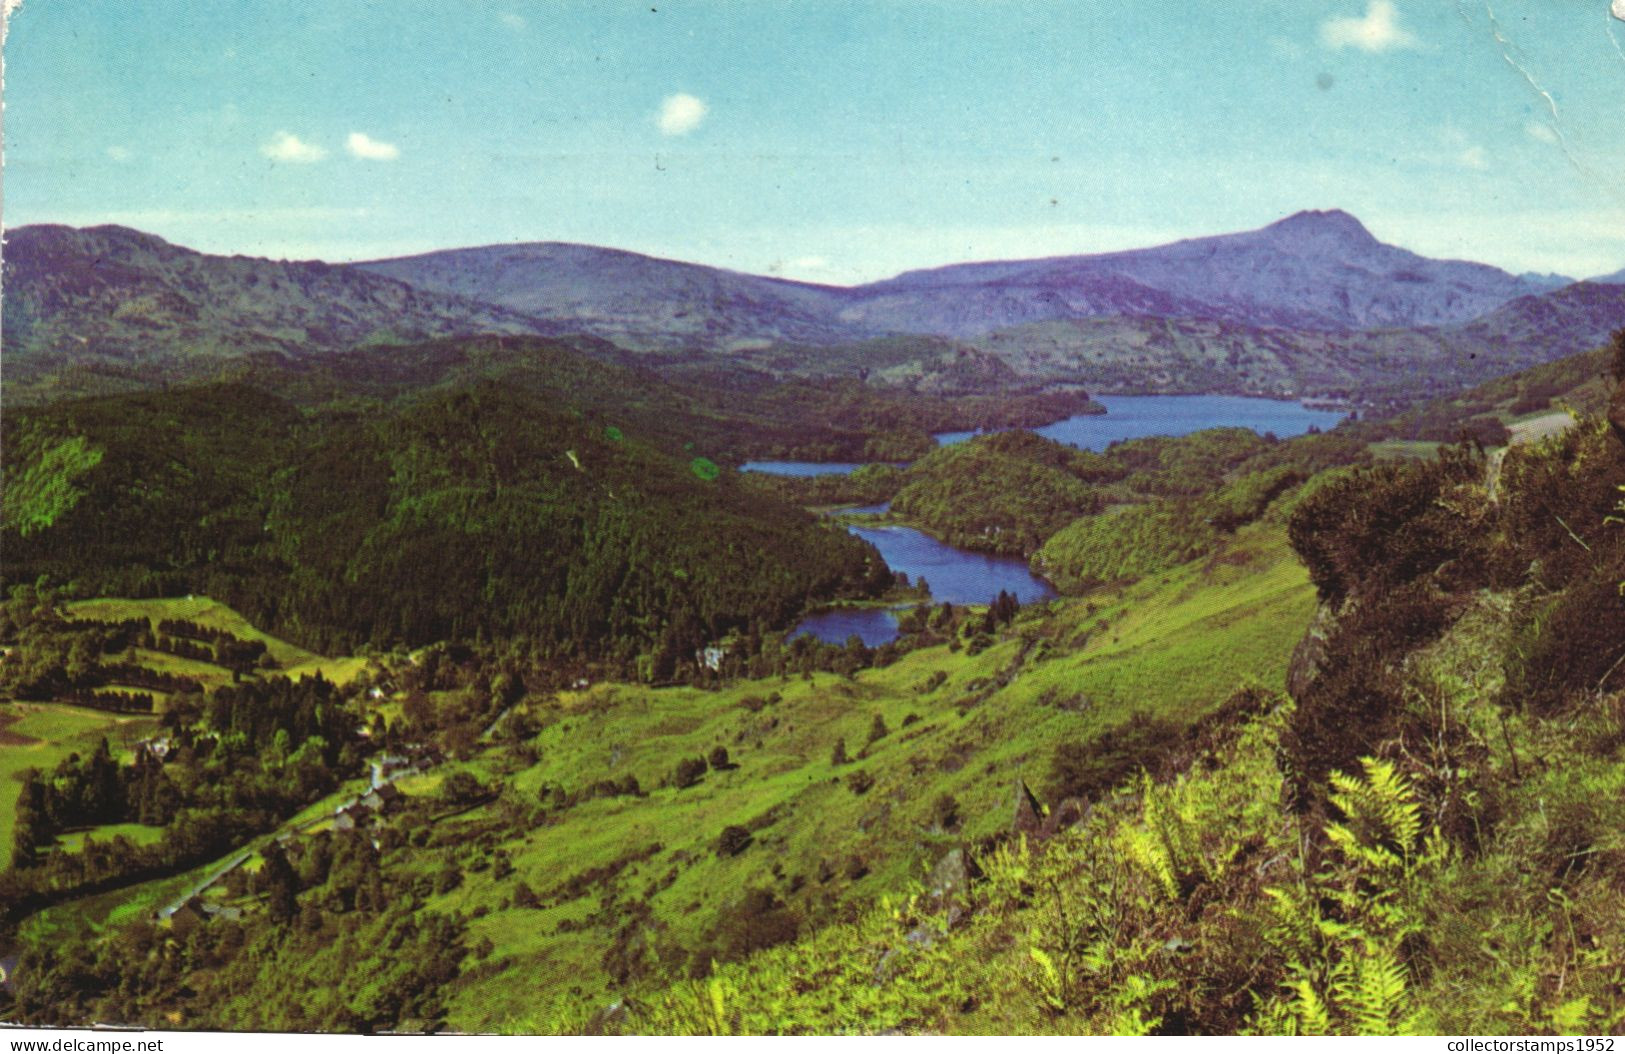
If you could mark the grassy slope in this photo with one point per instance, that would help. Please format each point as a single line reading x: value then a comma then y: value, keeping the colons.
x: 1175, y: 645
x: 1489, y: 941
x: 292, y: 661
x: 1172, y: 646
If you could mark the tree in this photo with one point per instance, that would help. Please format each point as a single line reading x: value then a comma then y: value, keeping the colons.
x: 877, y: 730
x: 280, y: 885
x: 838, y: 756
x: 719, y: 758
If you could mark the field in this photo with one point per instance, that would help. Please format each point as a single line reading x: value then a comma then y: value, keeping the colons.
x: 38, y: 735
x: 35, y: 735
x: 291, y: 660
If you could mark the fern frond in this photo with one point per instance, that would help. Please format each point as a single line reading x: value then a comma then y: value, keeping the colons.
x: 1375, y: 996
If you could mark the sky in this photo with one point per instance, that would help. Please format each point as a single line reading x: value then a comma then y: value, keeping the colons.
x: 833, y: 141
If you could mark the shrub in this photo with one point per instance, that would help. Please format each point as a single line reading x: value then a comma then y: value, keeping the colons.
x: 1093, y: 767
x: 1570, y: 647
x: 1384, y: 526
x: 759, y: 920
x: 719, y: 759
x: 1357, y: 698
x: 860, y: 782
x: 689, y: 772
x: 733, y: 840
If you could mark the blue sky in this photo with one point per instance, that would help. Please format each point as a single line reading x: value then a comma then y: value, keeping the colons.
x: 820, y: 139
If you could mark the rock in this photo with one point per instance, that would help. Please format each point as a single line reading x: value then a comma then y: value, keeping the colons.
x: 1029, y: 813
x: 883, y: 969
x: 922, y: 936
x: 1307, y: 657
x: 952, y: 876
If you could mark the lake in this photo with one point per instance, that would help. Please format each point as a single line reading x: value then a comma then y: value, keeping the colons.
x: 954, y: 575
x: 873, y: 626
x: 801, y: 468
x: 962, y: 577
x: 1138, y: 416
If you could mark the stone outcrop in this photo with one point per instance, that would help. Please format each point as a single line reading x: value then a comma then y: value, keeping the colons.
x: 1310, y: 652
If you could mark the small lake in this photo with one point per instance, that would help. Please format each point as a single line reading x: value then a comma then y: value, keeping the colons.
x: 1139, y: 416
x: 874, y: 626
x: 801, y: 468
x: 954, y: 575
x: 962, y: 577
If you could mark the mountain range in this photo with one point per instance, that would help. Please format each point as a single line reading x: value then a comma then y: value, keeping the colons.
x: 1310, y: 304
x: 1312, y: 270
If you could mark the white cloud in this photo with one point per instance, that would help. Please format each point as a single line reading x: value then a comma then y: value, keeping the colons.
x: 512, y: 21
x: 120, y: 154
x: 1474, y: 157
x: 369, y: 149
x: 1541, y: 132
x: 285, y: 146
x: 680, y: 114
x: 1378, y: 31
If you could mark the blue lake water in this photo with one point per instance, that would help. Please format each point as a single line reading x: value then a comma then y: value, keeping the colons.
x: 954, y: 575
x: 874, y: 626
x: 801, y: 468
x: 962, y: 577
x: 1138, y: 416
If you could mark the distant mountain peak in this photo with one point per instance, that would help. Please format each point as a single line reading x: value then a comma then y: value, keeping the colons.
x: 1321, y: 225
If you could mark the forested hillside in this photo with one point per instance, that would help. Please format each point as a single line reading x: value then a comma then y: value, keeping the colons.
x: 477, y: 511
x: 1132, y: 814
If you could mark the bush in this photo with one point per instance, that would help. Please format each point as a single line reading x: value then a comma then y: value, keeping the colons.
x: 1356, y: 699
x: 1568, y: 647
x: 689, y: 772
x: 1092, y: 768
x: 760, y: 920
x: 1384, y: 526
x: 733, y: 840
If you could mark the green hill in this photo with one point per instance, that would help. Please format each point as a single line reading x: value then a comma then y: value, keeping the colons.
x: 480, y: 510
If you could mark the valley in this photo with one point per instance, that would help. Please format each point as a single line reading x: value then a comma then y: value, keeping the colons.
x: 503, y: 673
